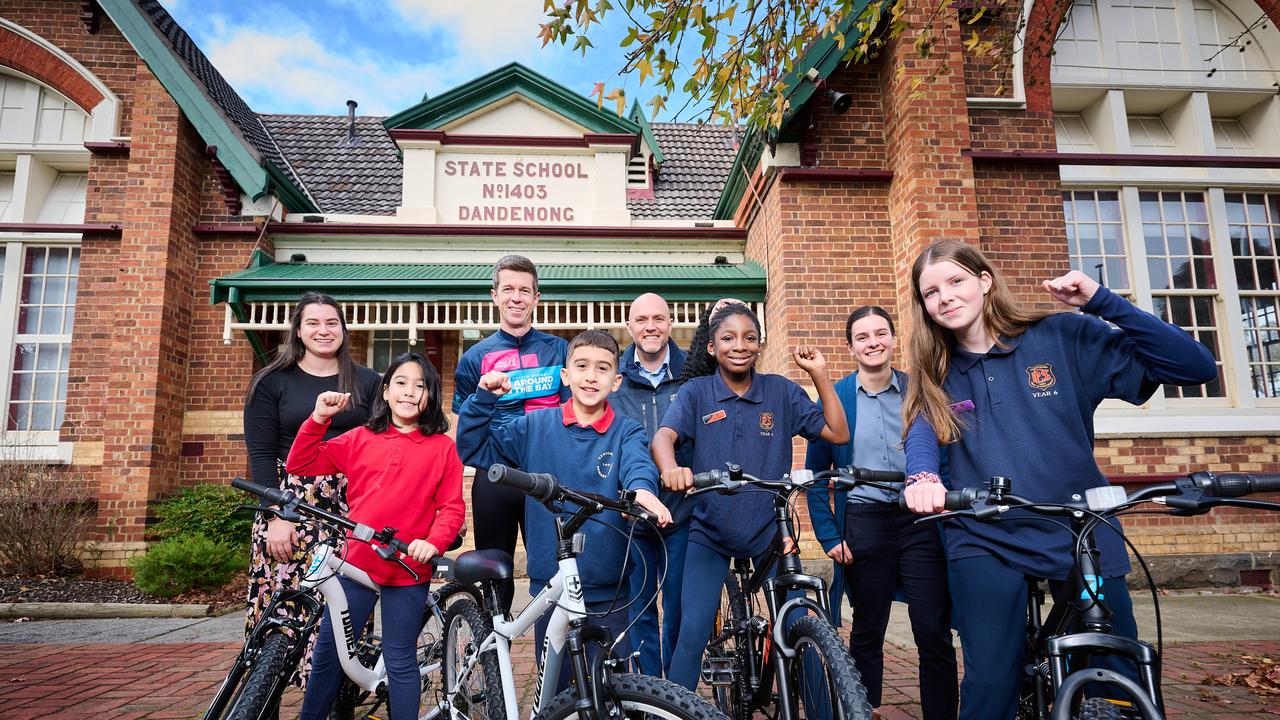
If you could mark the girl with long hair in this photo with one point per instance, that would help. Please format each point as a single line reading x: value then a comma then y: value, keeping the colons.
x: 402, y: 471
x: 1012, y: 392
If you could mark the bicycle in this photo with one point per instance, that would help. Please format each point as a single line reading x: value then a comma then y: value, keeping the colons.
x: 599, y: 690
x: 1060, y: 646
x: 748, y: 655
x: 275, y: 646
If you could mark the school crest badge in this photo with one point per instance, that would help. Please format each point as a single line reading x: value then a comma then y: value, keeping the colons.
x: 766, y: 421
x: 1040, y: 377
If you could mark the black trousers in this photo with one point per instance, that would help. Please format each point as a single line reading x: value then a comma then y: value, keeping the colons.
x: 889, y: 552
x: 497, y: 512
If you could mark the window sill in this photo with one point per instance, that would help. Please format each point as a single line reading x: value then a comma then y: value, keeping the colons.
x: 51, y: 454
x: 1186, y: 422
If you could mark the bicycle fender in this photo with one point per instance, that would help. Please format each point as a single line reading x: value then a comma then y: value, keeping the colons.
x: 779, y: 631
x: 1078, y: 679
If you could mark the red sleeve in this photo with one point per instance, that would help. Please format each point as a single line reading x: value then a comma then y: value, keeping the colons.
x: 311, y: 455
x: 451, y: 511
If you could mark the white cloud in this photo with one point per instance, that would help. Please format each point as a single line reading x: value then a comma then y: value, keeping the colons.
x: 479, y: 28
x: 293, y: 71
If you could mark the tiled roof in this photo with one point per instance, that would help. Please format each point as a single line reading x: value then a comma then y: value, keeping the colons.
x: 698, y: 159
x: 364, y: 179
x: 217, y: 88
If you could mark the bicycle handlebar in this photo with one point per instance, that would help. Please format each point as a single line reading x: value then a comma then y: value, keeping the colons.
x: 385, y: 537
x: 1190, y: 493
x: 544, y: 488
x: 539, y: 486
x: 845, y: 478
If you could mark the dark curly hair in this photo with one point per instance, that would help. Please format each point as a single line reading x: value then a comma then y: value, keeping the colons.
x: 699, y: 362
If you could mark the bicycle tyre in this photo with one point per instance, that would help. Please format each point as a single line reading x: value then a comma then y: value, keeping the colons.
x: 640, y: 696
x: 734, y: 698
x: 228, y: 692
x: 265, y: 681
x: 816, y: 642
x: 1099, y: 709
x: 480, y: 695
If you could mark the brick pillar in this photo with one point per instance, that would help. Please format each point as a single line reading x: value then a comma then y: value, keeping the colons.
x: 932, y: 194
x: 151, y: 320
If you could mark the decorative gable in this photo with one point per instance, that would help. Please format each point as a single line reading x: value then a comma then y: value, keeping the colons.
x: 514, y: 148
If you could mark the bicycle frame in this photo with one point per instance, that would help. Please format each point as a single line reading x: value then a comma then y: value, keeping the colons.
x: 789, y: 578
x: 563, y: 598
x: 1079, y: 624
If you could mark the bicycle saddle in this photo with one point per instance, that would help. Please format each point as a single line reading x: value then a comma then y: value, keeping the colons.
x: 476, y: 566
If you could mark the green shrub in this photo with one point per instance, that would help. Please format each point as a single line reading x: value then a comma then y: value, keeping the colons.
x: 208, y: 510
x: 184, y: 562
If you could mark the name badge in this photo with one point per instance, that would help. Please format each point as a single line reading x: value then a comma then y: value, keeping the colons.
x: 716, y: 416
x: 962, y: 406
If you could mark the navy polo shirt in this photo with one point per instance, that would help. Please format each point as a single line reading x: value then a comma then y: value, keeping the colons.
x: 754, y: 431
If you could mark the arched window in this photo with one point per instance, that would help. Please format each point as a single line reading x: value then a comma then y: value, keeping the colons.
x: 43, y: 182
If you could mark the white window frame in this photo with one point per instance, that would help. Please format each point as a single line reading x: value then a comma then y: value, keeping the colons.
x: 36, y: 445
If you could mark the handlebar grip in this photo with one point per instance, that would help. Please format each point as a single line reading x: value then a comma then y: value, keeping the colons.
x: 707, y: 479
x: 959, y: 500
x: 955, y: 500
x: 539, y: 486
x: 274, y: 496
x: 1238, y: 484
x: 880, y: 476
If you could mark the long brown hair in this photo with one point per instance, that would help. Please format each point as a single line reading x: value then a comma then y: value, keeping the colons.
x: 293, y: 350
x: 930, y: 347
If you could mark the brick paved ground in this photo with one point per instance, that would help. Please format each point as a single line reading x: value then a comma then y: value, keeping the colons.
x: 174, y: 681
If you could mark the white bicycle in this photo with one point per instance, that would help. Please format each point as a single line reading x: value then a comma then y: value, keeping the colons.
x: 599, y: 690
x: 275, y: 647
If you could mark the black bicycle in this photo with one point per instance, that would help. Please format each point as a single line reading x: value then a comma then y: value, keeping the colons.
x: 793, y: 669
x: 1078, y: 628
x: 275, y: 647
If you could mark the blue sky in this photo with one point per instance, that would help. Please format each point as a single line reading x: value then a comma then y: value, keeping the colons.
x: 311, y: 56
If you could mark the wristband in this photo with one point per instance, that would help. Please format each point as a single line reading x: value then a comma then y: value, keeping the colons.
x: 921, y: 477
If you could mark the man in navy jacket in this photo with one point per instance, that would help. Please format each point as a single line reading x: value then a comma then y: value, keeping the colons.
x: 650, y: 369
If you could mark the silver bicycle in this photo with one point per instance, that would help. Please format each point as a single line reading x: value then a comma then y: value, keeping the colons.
x: 600, y: 689
x: 275, y: 647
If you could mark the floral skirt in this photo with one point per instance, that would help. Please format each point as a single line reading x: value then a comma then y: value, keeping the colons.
x: 267, y: 577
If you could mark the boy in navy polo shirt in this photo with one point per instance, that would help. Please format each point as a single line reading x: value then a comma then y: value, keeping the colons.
x: 586, y: 447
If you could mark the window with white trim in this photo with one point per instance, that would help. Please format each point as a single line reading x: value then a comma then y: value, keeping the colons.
x: 41, y: 138
x: 42, y: 344
x: 1150, y: 134
x: 1253, y: 221
x: 1146, y: 33
x: 1230, y: 137
x: 1180, y: 270
x: 1095, y: 238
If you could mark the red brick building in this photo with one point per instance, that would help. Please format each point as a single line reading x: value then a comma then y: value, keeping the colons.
x: 143, y: 199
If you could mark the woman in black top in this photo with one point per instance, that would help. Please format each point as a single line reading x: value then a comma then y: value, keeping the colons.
x: 316, y: 358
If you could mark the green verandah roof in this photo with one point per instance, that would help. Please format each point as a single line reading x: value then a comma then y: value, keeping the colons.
x: 408, y: 282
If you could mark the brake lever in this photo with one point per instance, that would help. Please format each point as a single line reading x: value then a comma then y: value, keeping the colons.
x: 390, y: 554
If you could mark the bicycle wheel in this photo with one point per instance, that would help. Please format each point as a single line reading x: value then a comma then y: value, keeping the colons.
x: 1099, y: 709
x: 479, y: 693
x: 639, y: 696
x: 825, y: 684
x: 265, y: 681
x: 726, y: 663
x: 227, y: 694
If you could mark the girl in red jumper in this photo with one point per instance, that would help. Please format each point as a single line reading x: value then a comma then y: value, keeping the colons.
x: 404, y: 472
